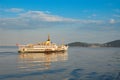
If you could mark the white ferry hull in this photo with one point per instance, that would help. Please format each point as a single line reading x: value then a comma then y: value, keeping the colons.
x: 41, y: 50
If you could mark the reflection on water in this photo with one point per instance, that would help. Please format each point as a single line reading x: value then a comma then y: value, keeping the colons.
x: 40, y: 61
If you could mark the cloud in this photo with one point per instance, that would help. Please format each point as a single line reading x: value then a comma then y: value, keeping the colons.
x: 14, y: 10
x: 112, y: 21
x: 39, y: 19
x: 94, y: 15
x: 117, y: 10
x: 118, y: 16
x: 42, y: 16
x: 39, y: 15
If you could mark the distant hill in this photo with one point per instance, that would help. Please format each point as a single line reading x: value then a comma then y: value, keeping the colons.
x: 115, y: 43
x: 78, y: 44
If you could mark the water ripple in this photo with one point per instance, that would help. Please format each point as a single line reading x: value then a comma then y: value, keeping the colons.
x: 31, y: 74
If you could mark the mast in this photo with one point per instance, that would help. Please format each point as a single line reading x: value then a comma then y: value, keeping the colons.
x: 48, y: 37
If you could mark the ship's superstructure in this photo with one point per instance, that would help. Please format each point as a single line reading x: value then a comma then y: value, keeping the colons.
x: 46, y: 46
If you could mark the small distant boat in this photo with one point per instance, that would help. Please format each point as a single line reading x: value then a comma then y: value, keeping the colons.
x: 42, y: 47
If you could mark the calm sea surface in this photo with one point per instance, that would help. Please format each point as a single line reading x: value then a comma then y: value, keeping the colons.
x: 75, y: 64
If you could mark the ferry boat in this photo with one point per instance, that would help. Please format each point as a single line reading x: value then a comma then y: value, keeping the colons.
x: 42, y: 47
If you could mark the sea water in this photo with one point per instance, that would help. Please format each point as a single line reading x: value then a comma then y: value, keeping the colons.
x: 76, y: 64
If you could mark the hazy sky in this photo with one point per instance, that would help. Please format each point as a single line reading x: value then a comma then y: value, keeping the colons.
x: 30, y: 21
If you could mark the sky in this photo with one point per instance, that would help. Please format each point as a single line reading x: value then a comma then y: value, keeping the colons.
x: 30, y: 21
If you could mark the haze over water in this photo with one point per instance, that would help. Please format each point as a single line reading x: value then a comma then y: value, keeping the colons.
x: 75, y: 64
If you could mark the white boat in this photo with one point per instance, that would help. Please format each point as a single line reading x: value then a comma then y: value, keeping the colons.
x: 42, y: 47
